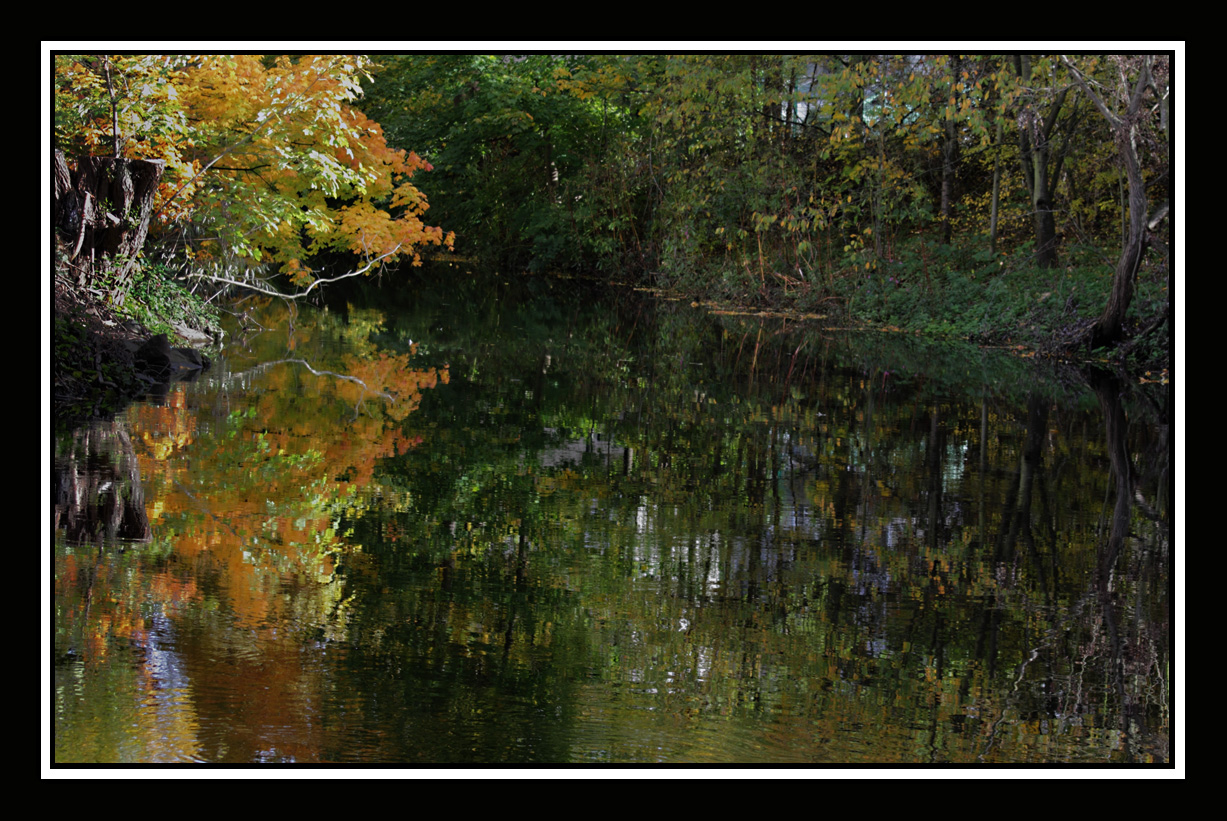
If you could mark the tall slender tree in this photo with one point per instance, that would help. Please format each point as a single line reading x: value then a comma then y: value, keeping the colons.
x: 1132, y: 104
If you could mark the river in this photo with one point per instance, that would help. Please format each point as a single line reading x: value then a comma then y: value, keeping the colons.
x: 492, y: 521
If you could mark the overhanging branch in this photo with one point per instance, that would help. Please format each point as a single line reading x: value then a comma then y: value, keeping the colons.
x: 273, y: 292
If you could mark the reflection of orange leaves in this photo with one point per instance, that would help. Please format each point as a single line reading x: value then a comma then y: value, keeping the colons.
x: 120, y: 613
x: 254, y: 546
x: 162, y: 431
x: 66, y: 577
x: 405, y: 444
x: 173, y: 591
x: 390, y: 374
x: 261, y: 500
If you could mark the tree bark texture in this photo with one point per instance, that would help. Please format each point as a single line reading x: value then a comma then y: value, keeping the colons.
x: 1111, y: 323
x: 103, y: 210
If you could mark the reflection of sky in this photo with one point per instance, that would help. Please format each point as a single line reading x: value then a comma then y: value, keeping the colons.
x: 163, y: 663
x: 572, y: 452
x: 168, y: 702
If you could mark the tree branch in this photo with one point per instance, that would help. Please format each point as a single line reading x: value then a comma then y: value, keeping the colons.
x: 279, y: 295
x: 1086, y: 89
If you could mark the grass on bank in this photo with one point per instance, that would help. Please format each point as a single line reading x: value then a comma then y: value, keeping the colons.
x: 951, y: 291
x: 158, y: 302
x: 93, y: 323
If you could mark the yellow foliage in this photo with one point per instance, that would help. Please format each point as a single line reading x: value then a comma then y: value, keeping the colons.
x: 263, y: 152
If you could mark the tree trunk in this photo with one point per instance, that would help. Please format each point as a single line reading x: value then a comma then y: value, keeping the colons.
x: 1035, y: 160
x: 1045, y: 234
x: 103, y: 211
x: 992, y: 222
x: 949, y: 151
x: 1111, y: 323
x: 1035, y: 155
x: 949, y: 146
x: 1110, y: 326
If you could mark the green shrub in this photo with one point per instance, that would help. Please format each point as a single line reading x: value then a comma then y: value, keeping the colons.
x: 159, y: 302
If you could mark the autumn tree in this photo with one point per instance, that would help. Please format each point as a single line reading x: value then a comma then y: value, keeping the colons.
x: 269, y: 164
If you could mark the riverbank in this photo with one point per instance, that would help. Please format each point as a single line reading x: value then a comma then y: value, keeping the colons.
x: 1030, y: 312
x: 952, y: 294
x: 95, y: 368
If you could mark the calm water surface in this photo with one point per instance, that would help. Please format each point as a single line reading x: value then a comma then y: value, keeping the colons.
x: 475, y: 522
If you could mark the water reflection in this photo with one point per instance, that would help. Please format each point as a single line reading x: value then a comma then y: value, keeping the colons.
x: 545, y: 527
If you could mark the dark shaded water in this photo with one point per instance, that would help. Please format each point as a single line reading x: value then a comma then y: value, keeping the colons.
x: 532, y: 522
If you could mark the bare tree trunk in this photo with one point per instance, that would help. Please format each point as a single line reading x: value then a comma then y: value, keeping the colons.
x: 1110, y: 326
x: 103, y: 212
x: 949, y: 150
x: 992, y: 224
x: 947, y: 205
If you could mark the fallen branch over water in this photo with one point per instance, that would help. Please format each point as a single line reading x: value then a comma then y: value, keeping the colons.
x: 273, y: 292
